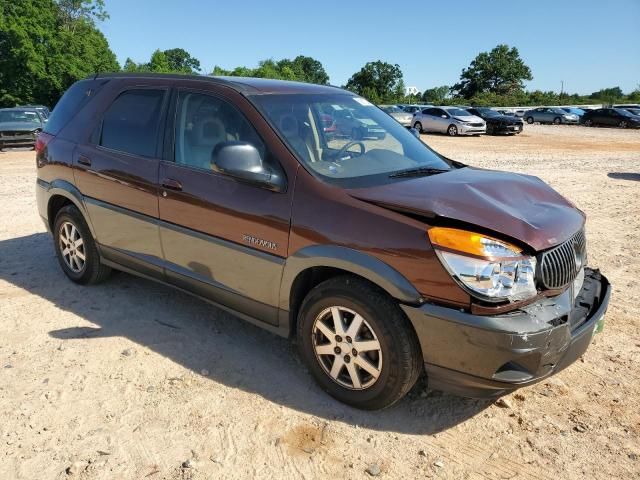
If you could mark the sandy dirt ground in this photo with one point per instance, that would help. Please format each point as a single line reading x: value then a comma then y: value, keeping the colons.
x: 132, y: 380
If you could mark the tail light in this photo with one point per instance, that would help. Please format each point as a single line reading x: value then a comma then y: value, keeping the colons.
x: 41, y: 141
x: 41, y: 145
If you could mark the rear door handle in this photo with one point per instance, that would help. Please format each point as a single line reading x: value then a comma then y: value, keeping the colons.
x: 82, y: 160
x: 171, y: 184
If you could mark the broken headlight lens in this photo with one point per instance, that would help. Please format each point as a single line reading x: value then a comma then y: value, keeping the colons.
x: 490, y: 269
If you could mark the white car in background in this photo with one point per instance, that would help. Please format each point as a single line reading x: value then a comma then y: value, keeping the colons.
x: 402, y: 117
x: 450, y: 120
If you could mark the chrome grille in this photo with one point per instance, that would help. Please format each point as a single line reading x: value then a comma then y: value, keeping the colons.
x: 560, y: 265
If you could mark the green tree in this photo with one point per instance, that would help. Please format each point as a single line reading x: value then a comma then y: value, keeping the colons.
x: 175, y: 60
x: 158, y: 63
x: 130, y: 65
x: 634, y: 96
x: 306, y: 69
x: 180, y: 60
x: 500, y: 71
x: 44, y: 49
x: 378, y: 82
x: 71, y: 11
x: 436, y: 95
x: 608, y: 95
x: 301, y: 69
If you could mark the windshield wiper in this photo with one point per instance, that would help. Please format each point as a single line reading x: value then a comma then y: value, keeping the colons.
x: 418, y: 172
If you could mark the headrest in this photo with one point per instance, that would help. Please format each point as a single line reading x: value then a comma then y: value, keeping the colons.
x: 289, y: 125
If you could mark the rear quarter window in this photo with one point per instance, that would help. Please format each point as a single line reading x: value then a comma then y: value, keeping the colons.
x: 73, y: 100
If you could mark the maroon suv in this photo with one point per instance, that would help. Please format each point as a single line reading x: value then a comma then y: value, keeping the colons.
x: 380, y: 256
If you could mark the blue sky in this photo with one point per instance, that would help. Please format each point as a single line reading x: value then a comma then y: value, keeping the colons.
x: 590, y: 44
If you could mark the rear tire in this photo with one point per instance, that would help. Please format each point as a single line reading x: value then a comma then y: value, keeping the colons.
x: 75, y: 248
x: 389, y: 349
x: 530, y: 120
x: 418, y: 126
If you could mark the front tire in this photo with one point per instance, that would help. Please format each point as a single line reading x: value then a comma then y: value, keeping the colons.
x: 588, y: 122
x: 357, y: 343
x: 452, y: 130
x: 75, y: 248
x: 623, y: 124
x: 557, y: 121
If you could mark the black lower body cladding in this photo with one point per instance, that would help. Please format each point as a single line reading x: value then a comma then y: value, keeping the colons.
x: 486, y: 357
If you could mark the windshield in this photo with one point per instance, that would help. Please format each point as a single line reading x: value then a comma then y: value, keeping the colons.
x: 457, y: 112
x: 487, y: 112
x: 19, y: 116
x: 623, y: 112
x: 363, y: 147
x: 391, y: 109
x: 558, y: 110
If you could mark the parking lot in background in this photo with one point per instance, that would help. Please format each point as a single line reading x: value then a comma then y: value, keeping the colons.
x: 134, y: 379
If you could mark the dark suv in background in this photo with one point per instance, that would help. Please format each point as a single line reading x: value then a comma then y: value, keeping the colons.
x: 380, y: 256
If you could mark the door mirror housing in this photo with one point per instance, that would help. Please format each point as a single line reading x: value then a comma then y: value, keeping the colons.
x: 415, y: 132
x: 242, y: 160
x: 444, y: 115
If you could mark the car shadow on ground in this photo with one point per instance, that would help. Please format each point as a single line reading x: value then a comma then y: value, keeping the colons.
x: 199, y: 336
x: 624, y: 176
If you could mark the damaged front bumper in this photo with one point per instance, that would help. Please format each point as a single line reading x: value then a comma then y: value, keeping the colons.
x: 489, y: 356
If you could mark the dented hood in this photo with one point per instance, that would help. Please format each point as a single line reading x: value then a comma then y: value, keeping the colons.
x: 522, y: 207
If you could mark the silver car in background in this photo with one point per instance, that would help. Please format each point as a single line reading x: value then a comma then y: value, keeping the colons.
x: 550, y: 115
x: 402, y: 117
x: 450, y: 120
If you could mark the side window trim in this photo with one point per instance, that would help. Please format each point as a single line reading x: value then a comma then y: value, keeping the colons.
x: 159, y: 133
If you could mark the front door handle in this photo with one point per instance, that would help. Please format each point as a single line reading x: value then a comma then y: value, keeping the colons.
x: 82, y: 160
x: 171, y: 184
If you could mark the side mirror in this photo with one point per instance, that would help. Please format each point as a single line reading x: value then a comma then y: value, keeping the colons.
x: 444, y: 116
x: 415, y: 133
x: 242, y: 160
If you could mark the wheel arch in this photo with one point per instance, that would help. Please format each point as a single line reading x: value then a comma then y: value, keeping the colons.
x: 62, y: 193
x: 312, y: 265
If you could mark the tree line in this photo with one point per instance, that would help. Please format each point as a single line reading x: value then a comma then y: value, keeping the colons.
x: 46, y: 45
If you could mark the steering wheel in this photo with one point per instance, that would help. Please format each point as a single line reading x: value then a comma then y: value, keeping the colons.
x: 343, y: 150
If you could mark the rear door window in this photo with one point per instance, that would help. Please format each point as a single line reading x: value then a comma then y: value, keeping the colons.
x: 130, y: 124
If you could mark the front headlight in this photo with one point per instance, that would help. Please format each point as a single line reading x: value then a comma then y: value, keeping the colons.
x: 490, y: 269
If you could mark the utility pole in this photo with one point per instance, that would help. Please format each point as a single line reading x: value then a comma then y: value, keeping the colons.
x: 561, y: 89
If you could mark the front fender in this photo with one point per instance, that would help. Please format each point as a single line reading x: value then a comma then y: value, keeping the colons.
x: 350, y: 260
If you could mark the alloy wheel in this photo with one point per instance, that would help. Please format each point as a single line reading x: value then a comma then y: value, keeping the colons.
x: 72, y: 247
x: 347, y: 348
x: 622, y: 124
x: 452, y: 130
